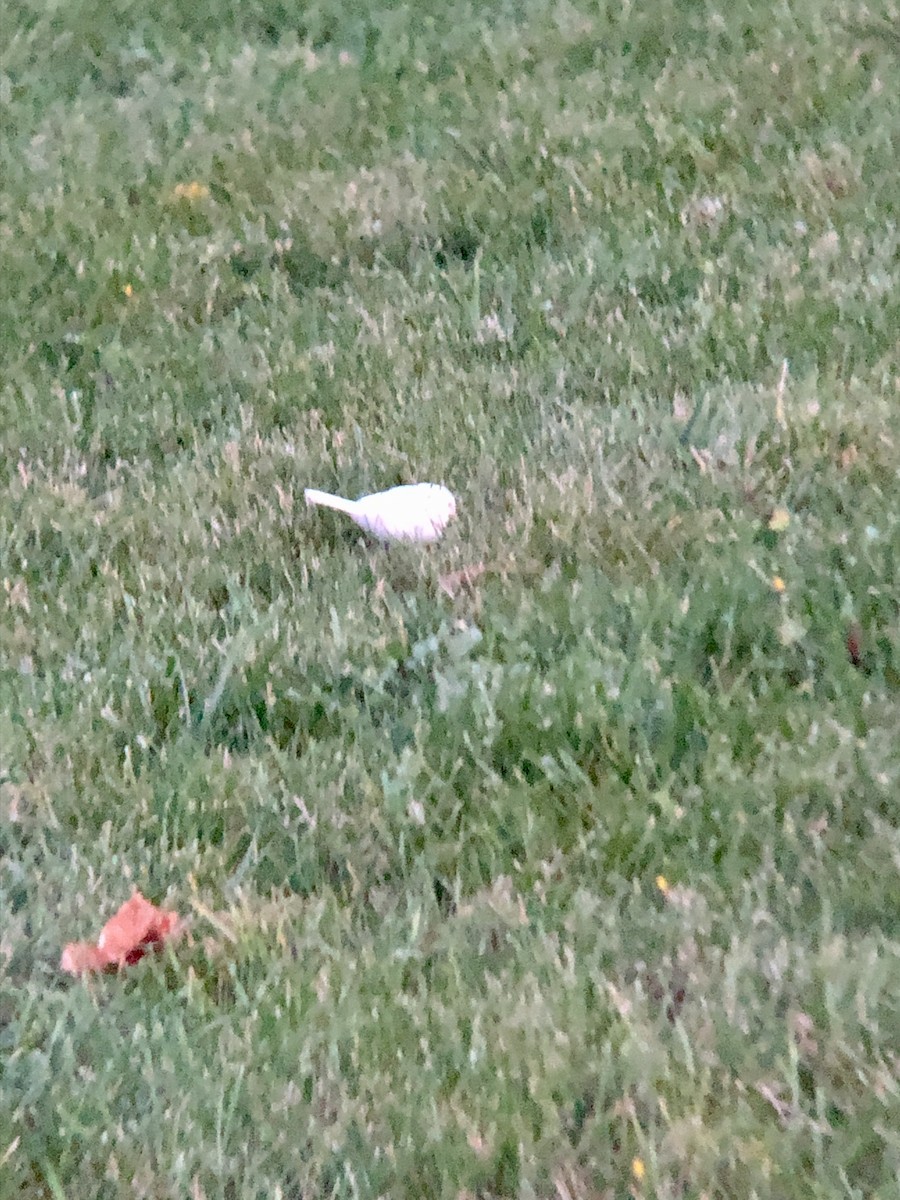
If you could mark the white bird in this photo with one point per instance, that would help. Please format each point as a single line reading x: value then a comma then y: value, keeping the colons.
x: 414, y: 512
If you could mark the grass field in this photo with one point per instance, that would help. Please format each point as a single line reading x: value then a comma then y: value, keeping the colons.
x: 560, y: 860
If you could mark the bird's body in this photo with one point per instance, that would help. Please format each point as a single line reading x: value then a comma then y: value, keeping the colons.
x: 414, y: 512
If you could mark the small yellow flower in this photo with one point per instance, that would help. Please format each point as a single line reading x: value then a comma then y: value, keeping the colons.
x: 779, y: 520
x: 190, y: 191
x: 662, y: 883
x: 778, y: 583
x: 638, y: 1169
x: 128, y: 289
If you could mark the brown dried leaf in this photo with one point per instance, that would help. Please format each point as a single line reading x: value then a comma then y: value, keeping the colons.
x: 454, y: 581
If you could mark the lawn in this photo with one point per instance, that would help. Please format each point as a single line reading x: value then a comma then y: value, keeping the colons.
x: 560, y: 859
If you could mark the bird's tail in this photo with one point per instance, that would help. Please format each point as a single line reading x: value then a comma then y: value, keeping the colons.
x: 328, y: 501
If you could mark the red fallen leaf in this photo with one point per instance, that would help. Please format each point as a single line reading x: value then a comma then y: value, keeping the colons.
x: 125, y: 938
x: 79, y: 957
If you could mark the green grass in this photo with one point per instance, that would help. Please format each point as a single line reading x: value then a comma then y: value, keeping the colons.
x: 414, y: 804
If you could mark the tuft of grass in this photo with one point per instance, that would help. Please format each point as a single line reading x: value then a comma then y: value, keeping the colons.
x: 558, y: 860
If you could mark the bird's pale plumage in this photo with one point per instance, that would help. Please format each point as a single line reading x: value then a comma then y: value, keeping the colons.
x: 414, y: 512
